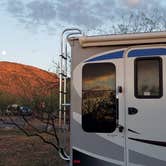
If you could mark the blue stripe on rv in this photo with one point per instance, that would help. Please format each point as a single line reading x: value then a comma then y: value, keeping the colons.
x: 147, y: 52
x: 132, y: 53
x: 113, y: 55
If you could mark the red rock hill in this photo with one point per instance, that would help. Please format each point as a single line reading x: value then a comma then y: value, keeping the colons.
x: 24, y: 80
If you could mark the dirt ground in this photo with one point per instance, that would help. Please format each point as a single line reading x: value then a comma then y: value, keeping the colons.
x: 16, y: 149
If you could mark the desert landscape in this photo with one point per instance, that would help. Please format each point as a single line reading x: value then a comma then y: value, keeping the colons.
x: 28, y: 109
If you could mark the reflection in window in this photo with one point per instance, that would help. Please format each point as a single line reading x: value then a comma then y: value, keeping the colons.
x: 98, y: 97
x: 148, y: 78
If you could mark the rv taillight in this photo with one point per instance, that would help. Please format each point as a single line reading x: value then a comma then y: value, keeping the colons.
x: 76, y: 161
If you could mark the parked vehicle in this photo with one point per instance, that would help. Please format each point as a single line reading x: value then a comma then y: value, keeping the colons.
x: 118, y: 100
x: 26, y: 111
x: 12, y: 109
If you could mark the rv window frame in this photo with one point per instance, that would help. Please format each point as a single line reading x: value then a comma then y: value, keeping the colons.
x: 160, y: 78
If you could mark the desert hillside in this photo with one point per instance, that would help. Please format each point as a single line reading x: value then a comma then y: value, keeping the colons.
x: 23, y: 80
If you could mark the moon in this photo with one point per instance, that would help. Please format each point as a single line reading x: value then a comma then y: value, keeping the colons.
x: 3, y: 52
x: 133, y: 2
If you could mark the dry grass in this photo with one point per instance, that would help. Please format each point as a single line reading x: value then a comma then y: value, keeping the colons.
x: 17, y: 149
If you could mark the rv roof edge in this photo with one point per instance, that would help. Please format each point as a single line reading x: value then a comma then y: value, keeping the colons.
x: 122, y: 39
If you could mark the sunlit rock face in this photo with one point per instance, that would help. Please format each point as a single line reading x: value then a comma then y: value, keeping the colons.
x: 23, y: 80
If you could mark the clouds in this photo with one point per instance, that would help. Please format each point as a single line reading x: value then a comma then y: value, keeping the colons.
x: 35, y: 12
x: 53, y: 13
x: 75, y: 12
x: 82, y: 13
x: 41, y: 11
x: 78, y: 13
x: 15, y: 7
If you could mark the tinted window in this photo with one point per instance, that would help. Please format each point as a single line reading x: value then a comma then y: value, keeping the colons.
x: 148, y: 78
x: 99, y: 97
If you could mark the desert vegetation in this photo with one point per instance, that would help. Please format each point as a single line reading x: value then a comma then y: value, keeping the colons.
x: 35, y: 127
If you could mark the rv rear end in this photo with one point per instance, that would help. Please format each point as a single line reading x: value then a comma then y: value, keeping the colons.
x: 118, y: 100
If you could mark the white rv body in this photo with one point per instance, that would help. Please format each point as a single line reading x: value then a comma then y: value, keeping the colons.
x: 136, y: 135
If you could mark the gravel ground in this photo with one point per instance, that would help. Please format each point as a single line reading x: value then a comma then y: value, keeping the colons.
x: 16, y: 149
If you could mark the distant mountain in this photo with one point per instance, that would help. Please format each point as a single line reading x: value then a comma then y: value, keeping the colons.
x: 23, y: 80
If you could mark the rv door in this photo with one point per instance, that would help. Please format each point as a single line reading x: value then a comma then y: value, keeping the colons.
x: 145, y: 106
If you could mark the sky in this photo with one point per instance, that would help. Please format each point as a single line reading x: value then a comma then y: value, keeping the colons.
x: 30, y: 30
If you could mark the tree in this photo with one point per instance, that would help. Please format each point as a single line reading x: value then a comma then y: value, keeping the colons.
x: 43, y: 122
x: 140, y: 22
x: 133, y: 21
x: 5, y: 100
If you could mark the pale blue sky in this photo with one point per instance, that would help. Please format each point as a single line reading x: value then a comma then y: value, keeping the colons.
x: 30, y: 30
x: 26, y: 46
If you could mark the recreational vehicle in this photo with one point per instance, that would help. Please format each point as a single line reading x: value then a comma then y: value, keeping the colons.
x: 118, y: 99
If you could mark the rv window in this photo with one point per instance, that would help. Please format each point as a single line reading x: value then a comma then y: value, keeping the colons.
x: 99, y: 97
x: 148, y: 77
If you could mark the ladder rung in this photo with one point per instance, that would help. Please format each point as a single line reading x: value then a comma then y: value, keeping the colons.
x: 63, y: 92
x: 67, y: 104
x: 63, y: 57
x: 63, y: 74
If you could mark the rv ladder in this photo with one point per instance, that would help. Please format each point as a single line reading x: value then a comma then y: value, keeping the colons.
x: 63, y: 77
